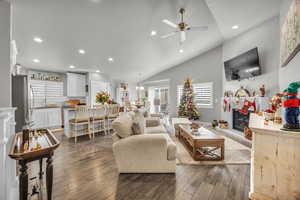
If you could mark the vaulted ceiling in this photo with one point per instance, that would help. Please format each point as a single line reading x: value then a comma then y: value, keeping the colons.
x: 121, y: 29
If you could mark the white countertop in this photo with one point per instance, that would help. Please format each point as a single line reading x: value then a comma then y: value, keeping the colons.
x: 256, y: 123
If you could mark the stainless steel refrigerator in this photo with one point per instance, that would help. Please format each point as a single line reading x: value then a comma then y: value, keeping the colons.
x: 20, y: 100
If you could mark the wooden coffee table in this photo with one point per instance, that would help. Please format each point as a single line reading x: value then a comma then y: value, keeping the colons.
x: 203, y: 147
x: 179, y: 121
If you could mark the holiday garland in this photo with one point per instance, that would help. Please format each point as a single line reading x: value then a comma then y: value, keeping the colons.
x: 187, y: 107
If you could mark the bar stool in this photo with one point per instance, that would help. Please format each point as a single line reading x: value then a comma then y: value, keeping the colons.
x: 82, y: 118
x: 98, y: 118
x: 128, y: 106
x: 112, y: 114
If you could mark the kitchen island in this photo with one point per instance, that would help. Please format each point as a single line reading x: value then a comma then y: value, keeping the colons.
x: 69, y: 113
x: 46, y: 117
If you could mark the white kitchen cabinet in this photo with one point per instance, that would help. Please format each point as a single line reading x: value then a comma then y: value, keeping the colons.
x: 76, y: 85
x: 54, y: 117
x: 39, y: 118
x: 46, y: 118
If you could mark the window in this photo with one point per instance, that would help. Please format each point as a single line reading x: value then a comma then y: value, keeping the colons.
x: 203, y: 94
x: 179, y: 93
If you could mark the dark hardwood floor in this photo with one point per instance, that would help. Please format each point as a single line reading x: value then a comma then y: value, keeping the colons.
x: 87, y: 171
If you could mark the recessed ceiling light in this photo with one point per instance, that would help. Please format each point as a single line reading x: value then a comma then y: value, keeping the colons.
x: 235, y: 27
x: 81, y: 51
x: 38, y: 40
x: 98, y: 71
x: 110, y: 59
x: 72, y: 66
x: 36, y: 60
x: 153, y: 33
x: 181, y: 51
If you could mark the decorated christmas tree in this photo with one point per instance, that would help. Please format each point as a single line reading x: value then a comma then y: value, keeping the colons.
x: 187, y: 107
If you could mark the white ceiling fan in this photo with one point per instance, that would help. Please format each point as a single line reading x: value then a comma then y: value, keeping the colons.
x: 182, y: 27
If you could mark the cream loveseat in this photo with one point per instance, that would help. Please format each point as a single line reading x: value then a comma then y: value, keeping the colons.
x: 152, y: 151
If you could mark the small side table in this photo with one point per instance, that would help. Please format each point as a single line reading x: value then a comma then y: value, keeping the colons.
x: 48, y: 144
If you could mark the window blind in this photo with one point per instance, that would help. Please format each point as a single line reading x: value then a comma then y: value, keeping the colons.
x: 203, y: 93
x: 46, y: 92
x: 179, y: 93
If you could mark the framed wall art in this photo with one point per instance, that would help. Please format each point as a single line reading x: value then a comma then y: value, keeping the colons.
x: 290, y: 34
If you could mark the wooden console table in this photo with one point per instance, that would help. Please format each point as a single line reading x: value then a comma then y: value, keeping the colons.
x: 48, y: 144
x: 205, y: 146
x: 275, y: 162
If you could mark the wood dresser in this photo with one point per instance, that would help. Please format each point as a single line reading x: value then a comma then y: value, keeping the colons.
x: 275, y: 162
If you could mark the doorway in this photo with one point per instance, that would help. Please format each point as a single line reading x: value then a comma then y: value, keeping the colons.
x: 159, y: 99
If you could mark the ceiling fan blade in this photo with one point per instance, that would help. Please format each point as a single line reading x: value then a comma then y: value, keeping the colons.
x: 169, y: 35
x: 170, y: 23
x: 182, y: 36
x: 197, y: 28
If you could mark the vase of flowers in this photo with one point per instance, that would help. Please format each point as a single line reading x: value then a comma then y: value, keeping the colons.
x: 102, y: 97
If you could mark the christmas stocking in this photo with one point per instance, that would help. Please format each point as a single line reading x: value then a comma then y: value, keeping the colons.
x: 225, y: 105
x: 254, y: 106
x: 246, y: 107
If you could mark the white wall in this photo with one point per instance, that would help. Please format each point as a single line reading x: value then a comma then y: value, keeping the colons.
x: 132, y: 91
x: 291, y: 72
x: 209, y: 67
x: 266, y: 37
x: 5, y: 37
x: 206, y: 67
x: 104, y: 78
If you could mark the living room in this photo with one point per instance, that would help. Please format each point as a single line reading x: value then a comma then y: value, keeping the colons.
x: 149, y: 99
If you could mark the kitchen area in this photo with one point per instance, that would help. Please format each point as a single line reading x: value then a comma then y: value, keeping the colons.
x: 45, y: 99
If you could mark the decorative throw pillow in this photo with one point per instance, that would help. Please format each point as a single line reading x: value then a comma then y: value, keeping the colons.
x: 139, y: 118
x: 122, y: 125
x: 152, y: 122
x: 136, y: 129
x: 146, y: 114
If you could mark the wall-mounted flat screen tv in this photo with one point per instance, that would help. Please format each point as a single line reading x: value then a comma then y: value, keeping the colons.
x: 243, y: 66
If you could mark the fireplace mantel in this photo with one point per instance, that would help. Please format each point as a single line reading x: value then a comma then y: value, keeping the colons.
x: 8, y: 178
x: 262, y: 104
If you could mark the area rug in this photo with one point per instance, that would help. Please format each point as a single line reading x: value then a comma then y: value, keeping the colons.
x: 235, y: 154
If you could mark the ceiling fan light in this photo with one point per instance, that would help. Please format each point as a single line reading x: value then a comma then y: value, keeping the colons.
x: 182, y: 36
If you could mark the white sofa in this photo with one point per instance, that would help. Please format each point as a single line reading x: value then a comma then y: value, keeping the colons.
x: 153, y: 151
